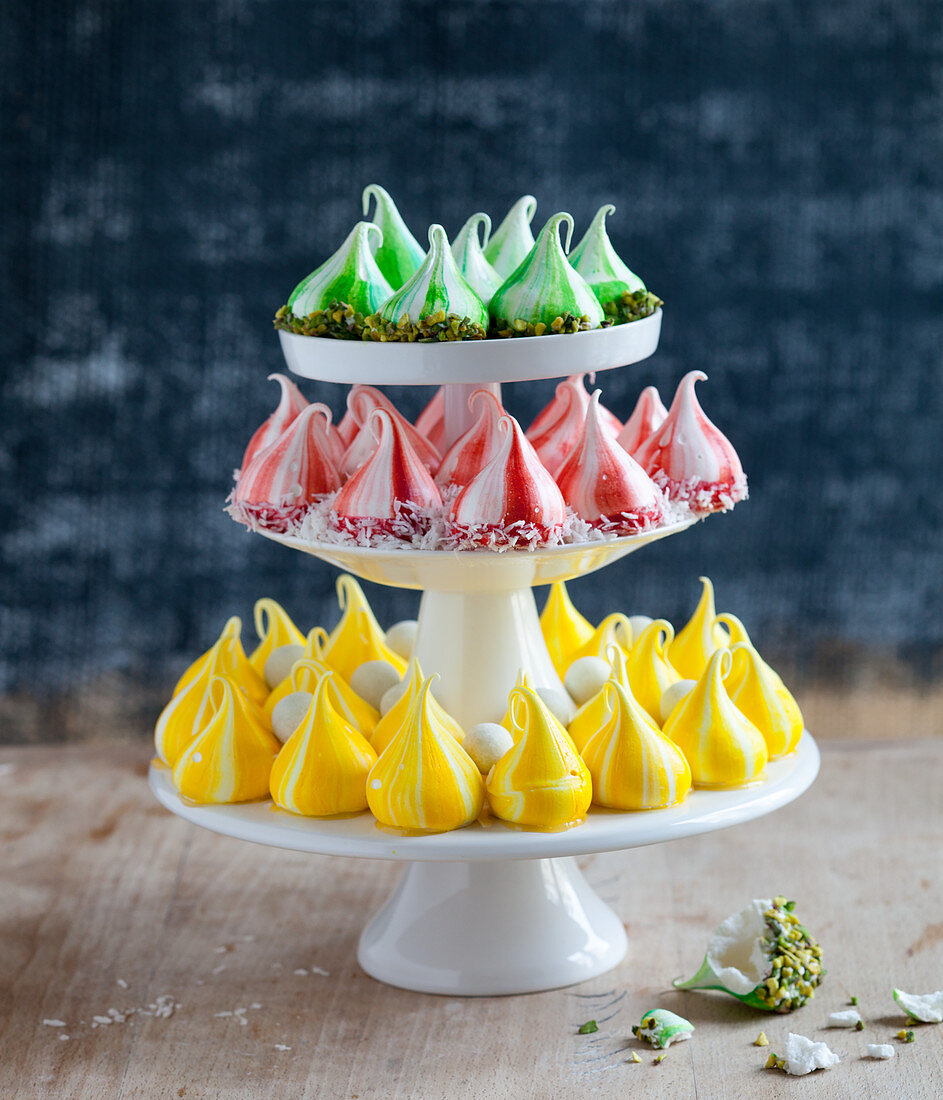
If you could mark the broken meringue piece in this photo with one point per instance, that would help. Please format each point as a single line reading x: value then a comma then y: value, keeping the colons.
x: 927, y: 1008
x: 661, y: 1028
x: 804, y: 1055
x: 849, y: 1017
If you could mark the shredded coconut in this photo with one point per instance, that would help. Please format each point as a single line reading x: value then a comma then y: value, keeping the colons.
x: 55, y: 1023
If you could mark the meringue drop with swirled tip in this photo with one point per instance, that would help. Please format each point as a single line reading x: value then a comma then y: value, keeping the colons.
x: 594, y: 713
x: 544, y: 295
x: 721, y: 745
x: 437, y: 287
x: 233, y: 663
x: 469, y: 254
x: 690, y: 458
x: 698, y: 640
x: 391, y: 722
x: 322, y: 768
x: 557, y: 406
x: 613, y: 630
x: 291, y: 401
x: 513, y: 496
x: 522, y: 681
x: 649, y: 413
x: 510, y: 243
x: 305, y: 675
x: 430, y: 423
x: 392, y: 488
x: 599, y: 263
x: 564, y: 629
x: 540, y: 783
x: 471, y: 452
x: 397, y: 253
x: 231, y: 756
x: 632, y: 764
x: 351, y: 275
x: 606, y: 486
x: 357, y: 637
x: 424, y: 779
x: 282, y: 481
x: 760, y: 693
x: 649, y: 668
x: 274, y: 628
x: 558, y: 438
x: 361, y: 402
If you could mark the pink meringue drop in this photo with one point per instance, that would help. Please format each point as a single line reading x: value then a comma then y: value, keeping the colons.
x: 551, y: 411
x: 290, y: 404
x: 513, y: 500
x: 290, y: 474
x: 561, y: 433
x: 690, y: 458
x: 606, y: 486
x: 361, y: 402
x: 431, y: 421
x: 391, y: 489
x: 649, y: 413
x: 347, y: 428
x: 471, y: 452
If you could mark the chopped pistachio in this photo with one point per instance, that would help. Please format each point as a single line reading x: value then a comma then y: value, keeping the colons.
x: 761, y: 1040
x: 565, y: 323
x: 859, y: 1026
x: 433, y: 328
x: 906, y: 1035
x: 658, y: 1060
x: 853, y: 1001
x: 632, y: 306
x: 588, y: 1028
x: 634, y: 1058
x: 336, y: 321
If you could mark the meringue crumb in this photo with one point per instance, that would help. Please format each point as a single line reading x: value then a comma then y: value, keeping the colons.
x: 321, y: 971
x: 218, y: 969
x: 282, y: 1046
x: 880, y: 1051
x: 63, y: 1037
x: 301, y: 972
x: 121, y: 982
x: 55, y: 1023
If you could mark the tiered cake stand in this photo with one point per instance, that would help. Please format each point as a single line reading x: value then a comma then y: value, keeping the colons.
x: 488, y: 909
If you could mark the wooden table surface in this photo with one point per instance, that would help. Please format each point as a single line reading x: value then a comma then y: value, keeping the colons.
x: 143, y: 957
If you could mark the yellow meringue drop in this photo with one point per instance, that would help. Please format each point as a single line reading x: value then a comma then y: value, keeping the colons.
x: 275, y: 629
x: 357, y: 638
x: 721, y: 745
x: 563, y: 627
x: 424, y: 779
x: 231, y: 757
x: 541, y: 782
x: 649, y: 668
x: 593, y: 715
x: 235, y: 663
x: 391, y: 722
x: 322, y: 768
x: 306, y: 673
x: 633, y: 765
x: 696, y: 642
x: 760, y: 693
x: 615, y: 629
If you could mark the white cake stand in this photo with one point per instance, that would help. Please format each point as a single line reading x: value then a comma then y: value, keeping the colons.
x: 487, y: 909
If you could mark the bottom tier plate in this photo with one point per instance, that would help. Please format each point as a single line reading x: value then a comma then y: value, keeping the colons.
x: 602, y: 831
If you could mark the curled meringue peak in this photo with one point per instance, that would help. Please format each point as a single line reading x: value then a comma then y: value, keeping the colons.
x: 274, y: 628
x: 721, y: 745
x: 560, y: 435
x: 690, y: 457
x: 437, y: 286
x: 650, y: 671
x: 595, y: 712
x: 649, y: 413
x: 361, y: 401
x: 290, y: 403
x: 306, y: 674
x: 357, y: 637
x: 552, y: 411
x: 543, y: 287
x: 400, y: 254
x: 513, y: 239
x: 233, y: 663
x: 431, y: 421
x: 293, y: 471
x: 604, y: 485
x: 351, y: 275
x: 391, y: 477
x: 471, y: 452
x: 514, y: 488
x: 469, y: 254
x: 599, y: 263
x: 698, y: 640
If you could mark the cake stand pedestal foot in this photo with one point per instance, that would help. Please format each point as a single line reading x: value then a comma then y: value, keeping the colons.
x: 488, y: 928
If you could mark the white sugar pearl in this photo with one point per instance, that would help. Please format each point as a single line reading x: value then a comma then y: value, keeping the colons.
x: 486, y: 744
x: 672, y: 696
x: 391, y: 697
x: 279, y: 663
x: 559, y: 704
x: 585, y: 678
x: 288, y: 713
x: 638, y: 623
x: 373, y: 679
x: 401, y: 637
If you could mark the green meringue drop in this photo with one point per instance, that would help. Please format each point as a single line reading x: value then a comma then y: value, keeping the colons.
x: 400, y: 254
x: 599, y: 263
x: 512, y: 240
x: 544, y: 293
x: 350, y: 276
x: 470, y: 257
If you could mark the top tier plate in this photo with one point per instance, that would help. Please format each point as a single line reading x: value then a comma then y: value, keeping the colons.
x: 520, y: 359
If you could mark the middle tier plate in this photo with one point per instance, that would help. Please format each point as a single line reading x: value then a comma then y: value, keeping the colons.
x: 477, y: 570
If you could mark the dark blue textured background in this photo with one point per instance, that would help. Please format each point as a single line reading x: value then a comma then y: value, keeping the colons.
x: 171, y: 169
